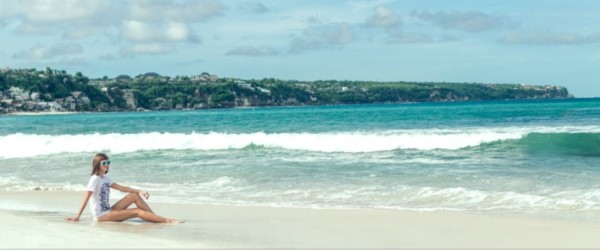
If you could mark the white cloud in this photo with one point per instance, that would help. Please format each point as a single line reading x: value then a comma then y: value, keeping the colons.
x: 43, y: 17
x: 178, y: 32
x: 149, y: 32
x: 383, y: 17
x: 34, y: 29
x: 398, y: 36
x: 252, y: 51
x: 469, y: 21
x: 41, y: 52
x: 368, y: 4
x: 147, y: 49
x: 334, y: 35
x: 139, y: 27
x: 546, y: 38
x: 258, y: 8
x: 76, y: 33
x: 4, y: 8
x: 186, y: 11
x: 41, y: 11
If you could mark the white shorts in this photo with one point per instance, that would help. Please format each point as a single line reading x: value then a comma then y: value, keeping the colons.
x: 101, y: 214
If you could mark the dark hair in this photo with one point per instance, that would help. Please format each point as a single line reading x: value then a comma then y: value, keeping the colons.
x: 96, y: 162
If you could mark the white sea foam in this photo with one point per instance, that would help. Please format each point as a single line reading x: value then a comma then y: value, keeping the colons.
x: 29, y: 145
x: 398, y: 198
x: 11, y: 184
x: 231, y: 191
x: 26, y: 145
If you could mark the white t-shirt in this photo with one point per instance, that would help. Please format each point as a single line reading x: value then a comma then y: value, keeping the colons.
x: 100, y: 187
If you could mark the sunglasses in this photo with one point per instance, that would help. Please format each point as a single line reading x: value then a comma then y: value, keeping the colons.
x: 105, y: 163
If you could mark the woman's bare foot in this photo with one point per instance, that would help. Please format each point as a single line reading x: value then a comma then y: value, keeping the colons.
x: 173, y: 221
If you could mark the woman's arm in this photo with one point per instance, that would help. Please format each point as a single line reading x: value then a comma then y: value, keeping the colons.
x: 86, y: 198
x: 130, y: 190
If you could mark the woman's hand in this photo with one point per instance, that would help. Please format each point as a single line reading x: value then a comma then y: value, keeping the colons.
x: 144, y: 194
x: 75, y: 218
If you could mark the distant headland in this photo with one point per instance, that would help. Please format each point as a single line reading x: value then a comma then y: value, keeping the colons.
x: 51, y: 90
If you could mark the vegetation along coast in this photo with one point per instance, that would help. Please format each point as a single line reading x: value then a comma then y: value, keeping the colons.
x: 51, y: 90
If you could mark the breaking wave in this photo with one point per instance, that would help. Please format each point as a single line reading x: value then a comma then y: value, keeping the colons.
x: 583, y: 140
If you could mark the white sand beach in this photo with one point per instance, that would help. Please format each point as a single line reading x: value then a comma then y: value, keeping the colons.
x: 35, y: 220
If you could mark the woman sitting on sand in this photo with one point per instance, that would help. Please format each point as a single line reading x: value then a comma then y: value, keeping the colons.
x: 98, y: 189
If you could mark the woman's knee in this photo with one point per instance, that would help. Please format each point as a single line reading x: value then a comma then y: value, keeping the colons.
x: 139, y: 212
x: 135, y: 196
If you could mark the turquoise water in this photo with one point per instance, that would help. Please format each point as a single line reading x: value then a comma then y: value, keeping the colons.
x: 526, y: 156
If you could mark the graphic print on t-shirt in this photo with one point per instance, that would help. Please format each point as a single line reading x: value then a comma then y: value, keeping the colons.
x: 104, y: 194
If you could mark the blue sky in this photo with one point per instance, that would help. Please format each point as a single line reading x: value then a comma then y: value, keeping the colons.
x: 532, y: 42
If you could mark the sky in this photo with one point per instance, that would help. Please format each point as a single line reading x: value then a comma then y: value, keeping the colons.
x: 537, y: 42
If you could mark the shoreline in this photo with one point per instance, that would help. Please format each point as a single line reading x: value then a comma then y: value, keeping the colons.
x: 20, y: 113
x: 42, y: 113
x: 254, y: 226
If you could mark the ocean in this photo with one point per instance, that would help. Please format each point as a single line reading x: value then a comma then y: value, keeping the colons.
x: 533, y: 157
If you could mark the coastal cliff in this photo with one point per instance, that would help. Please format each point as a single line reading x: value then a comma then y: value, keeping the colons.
x: 32, y: 90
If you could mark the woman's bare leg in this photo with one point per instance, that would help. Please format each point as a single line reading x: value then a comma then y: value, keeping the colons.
x: 130, y: 199
x: 124, y: 214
